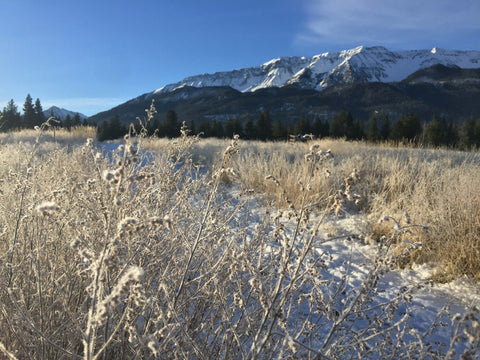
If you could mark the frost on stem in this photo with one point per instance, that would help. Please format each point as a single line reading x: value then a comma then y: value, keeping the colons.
x: 134, y: 274
x: 47, y: 208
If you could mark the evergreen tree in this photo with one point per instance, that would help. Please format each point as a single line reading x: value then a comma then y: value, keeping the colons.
x: 191, y: 128
x: 76, y: 121
x: 357, y: 131
x: 452, y: 135
x: 171, y: 126
x: 302, y: 126
x: 11, y: 118
x: 385, y: 128
x: 343, y: 126
x: 320, y: 129
x: 250, y: 129
x: 216, y: 129
x: 111, y: 129
x: 28, y: 117
x: 373, y: 134
x: 279, y: 131
x: 476, y: 133
x: 436, y: 132
x: 232, y: 127
x: 39, y: 116
x: 407, y: 128
x: 470, y: 134
x: 67, y: 122
x: 204, y: 129
x: 467, y: 134
x: 263, y: 126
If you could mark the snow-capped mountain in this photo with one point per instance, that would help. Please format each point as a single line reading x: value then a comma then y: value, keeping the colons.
x: 362, y: 64
x: 61, y: 113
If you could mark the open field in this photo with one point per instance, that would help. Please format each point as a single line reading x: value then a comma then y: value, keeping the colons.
x: 228, y: 249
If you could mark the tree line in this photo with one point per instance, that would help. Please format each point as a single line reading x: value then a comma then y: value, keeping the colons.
x: 11, y: 119
x: 408, y: 128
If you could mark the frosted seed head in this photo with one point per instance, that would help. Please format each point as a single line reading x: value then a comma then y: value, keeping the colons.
x: 314, y: 147
x: 75, y: 244
x: 108, y: 175
x: 135, y: 273
x: 47, y: 208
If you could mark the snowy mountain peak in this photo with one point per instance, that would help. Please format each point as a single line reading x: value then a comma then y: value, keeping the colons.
x: 61, y: 113
x: 361, y: 64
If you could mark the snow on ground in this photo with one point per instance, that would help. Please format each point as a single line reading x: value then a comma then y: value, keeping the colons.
x: 350, y: 259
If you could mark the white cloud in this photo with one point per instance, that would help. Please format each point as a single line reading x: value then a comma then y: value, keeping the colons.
x: 388, y: 22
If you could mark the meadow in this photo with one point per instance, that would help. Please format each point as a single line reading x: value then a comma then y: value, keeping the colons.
x: 199, y: 248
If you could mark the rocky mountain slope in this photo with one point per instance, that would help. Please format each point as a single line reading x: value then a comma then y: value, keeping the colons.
x: 362, y: 64
x: 361, y: 80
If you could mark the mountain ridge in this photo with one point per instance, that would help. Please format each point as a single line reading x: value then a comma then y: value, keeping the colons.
x: 61, y: 113
x: 361, y: 64
x: 363, y: 81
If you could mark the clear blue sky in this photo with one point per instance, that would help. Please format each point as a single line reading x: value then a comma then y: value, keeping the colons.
x: 90, y: 55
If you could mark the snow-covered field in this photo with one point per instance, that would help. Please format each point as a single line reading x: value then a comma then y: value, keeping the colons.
x: 419, y: 308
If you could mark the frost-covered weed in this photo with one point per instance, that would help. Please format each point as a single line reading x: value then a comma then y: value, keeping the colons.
x: 143, y: 255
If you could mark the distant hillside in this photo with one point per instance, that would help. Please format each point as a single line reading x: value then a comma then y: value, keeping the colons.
x: 442, y: 73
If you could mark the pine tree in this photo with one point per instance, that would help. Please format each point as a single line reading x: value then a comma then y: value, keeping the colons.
x: 204, y: 129
x: 357, y: 133
x: 407, y: 128
x: 67, y: 122
x: 452, y: 135
x: 28, y: 117
x: 216, y: 129
x: 385, y: 128
x: 250, y: 129
x: 373, y: 134
x: 343, y: 126
x: 111, y: 129
x: 263, y: 126
x: 302, y: 126
x: 191, y: 128
x: 320, y: 129
x: 232, y: 127
x: 171, y: 125
x: 470, y: 134
x: 435, y: 132
x: 476, y: 133
x: 39, y: 116
x: 11, y: 118
x: 279, y: 131
x: 76, y: 121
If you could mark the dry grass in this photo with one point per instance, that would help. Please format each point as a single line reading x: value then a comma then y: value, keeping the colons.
x: 438, y: 188
x: 144, y: 255
x: 75, y: 135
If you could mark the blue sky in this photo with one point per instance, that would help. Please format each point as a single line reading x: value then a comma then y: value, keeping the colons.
x: 91, y: 55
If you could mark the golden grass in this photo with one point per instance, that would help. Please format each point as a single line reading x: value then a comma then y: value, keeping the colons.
x: 75, y: 135
x: 438, y: 188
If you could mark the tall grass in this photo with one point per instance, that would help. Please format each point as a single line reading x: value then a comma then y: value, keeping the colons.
x: 135, y: 254
x: 440, y: 188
